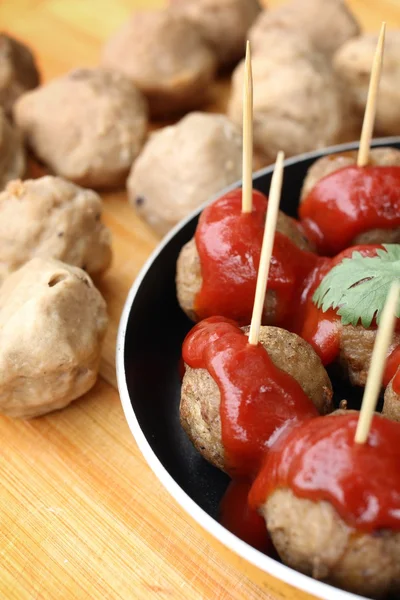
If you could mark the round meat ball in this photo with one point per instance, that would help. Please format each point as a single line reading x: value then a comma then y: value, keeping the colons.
x: 52, y: 324
x: 167, y: 58
x: 18, y: 71
x: 391, y: 403
x: 200, y: 396
x: 52, y: 218
x: 353, y: 62
x: 12, y: 154
x: 189, y: 278
x: 223, y: 23
x: 326, y: 165
x: 312, y: 538
x: 183, y: 166
x: 87, y: 126
x: 314, y: 120
x: 327, y: 23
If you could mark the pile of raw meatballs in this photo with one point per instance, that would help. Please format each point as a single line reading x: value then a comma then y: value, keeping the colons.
x: 88, y: 127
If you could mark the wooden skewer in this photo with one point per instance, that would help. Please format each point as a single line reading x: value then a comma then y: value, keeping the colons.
x: 370, y: 109
x: 378, y: 361
x: 266, y: 250
x: 247, y: 166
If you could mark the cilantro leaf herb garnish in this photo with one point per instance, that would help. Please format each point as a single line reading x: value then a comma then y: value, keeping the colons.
x: 358, y: 286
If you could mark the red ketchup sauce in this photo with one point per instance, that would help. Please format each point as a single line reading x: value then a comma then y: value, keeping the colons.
x: 348, y: 202
x: 323, y: 329
x: 229, y: 246
x: 319, y: 460
x: 257, y: 398
x: 242, y: 520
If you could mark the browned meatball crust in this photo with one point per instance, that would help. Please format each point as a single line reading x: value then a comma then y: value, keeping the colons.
x: 200, y: 396
x: 391, y: 404
x: 189, y: 279
x: 312, y: 538
x: 18, y: 71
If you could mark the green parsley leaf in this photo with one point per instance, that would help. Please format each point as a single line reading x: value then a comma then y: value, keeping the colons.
x: 358, y: 286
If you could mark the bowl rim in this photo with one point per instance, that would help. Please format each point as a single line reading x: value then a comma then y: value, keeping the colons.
x: 242, y: 549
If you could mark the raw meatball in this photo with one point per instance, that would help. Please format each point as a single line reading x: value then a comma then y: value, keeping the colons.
x: 200, y: 396
x: 391, y: 404
x: 18, y: 71
x: 87, y: 126
x: 326, y: 165
x: 12, y: 154
x: 183, y: 166
x: 52, y: 218
x: 327, y: 23
x: 189, y: 278
x: 223, y: 23
x: 313, y: 120
x: 356, y: 345
x: 353, y: 63
x: 167, y: 57
x: 312, y: 538
x: 52, y: 324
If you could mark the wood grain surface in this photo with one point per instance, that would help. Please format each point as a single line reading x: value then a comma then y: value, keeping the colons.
x: 81, y: 514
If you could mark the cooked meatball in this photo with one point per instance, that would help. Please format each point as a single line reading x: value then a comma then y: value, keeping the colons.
x: 391, y: 404
x: 52, y: 218
x: 314, y: 120
x: 200, y: 396
x: 167, y: 58
x: 52, y: 324
x: 189, y: 279
x: 12, y: 154
x: 87, y: 126
x: 312, y: 538
x: 18, y: 71
x: 353, y: 62
x: 183, y: 166
x: 223, y: 23
x: 326, y: 165
x: 328, y: 23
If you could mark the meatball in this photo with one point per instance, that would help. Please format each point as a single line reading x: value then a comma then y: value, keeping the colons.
x: 18, y: 71
x: 328, y: 24
x: 223, y: 23
x: 12, y: 154
x: 326, y: 165
x: 312, y: 538
x: 167, y: 57
x: 314, y: 120
x: 189, y: 278
x: 352, y: 63
x: 52, y: 324
x: 87, y: 126
x: 52, y: 218
x: 183, y: 166
x: 200, y: 396
x: 391, y: 403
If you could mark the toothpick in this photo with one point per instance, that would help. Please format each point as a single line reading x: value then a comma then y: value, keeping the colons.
x: 247, y: 166
x: 370, y: 109
x: 266, y: 250
x: 378, y: 361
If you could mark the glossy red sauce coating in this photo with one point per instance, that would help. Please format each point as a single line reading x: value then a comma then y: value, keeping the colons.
x: 229, y: 246
x: 319, y: 460
x: 348, y: 202
x: 245, y: 522
x: 257, y: 398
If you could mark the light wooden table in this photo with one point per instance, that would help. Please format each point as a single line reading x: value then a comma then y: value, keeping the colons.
x: 81, y: 514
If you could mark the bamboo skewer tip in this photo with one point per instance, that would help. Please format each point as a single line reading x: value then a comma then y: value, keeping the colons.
x: 370, y: 107
x: 266, y: 250
x: 378, y: 361
x: 247, y: 166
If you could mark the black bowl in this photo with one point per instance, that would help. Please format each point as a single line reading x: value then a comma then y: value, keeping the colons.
x: 149, y: 343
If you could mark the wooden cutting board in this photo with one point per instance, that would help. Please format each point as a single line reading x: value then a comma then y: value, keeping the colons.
x: 81, y: 514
